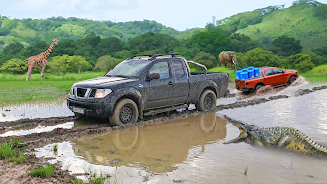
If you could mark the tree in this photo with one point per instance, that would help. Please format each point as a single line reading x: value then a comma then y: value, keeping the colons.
x: 302, y: 62
x: 212, y: 42
x: 109, y: 45
x: 258, y: 57
x: 206, y: 59
x: 65, y: 63
x: 12, y: 66
x: 288, y: 45
x: 106, y: 63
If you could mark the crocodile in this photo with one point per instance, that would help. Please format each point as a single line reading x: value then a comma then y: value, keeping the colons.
x: 280, y: 137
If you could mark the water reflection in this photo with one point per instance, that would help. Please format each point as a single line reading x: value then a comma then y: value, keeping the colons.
x: 156, y: 147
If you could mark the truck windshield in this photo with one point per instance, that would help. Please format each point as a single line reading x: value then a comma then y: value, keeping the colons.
x: 129, y: 68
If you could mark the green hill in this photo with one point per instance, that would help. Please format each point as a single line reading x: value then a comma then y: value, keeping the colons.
x: 30, y: 31
x: 304, y: 20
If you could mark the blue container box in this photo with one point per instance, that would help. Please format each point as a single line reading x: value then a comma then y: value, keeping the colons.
x: 250, y: 68
x: 256, y: 72
x: 250, y: 74
x: 244, y: 70
x: 244, y: 75
x: 238, y: 74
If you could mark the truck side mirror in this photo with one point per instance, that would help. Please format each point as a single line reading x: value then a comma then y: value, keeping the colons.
x: 153, y: 76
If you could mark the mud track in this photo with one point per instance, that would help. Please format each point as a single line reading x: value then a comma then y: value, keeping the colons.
x: 59, y: 134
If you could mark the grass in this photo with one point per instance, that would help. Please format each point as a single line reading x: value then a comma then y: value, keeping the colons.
x: 55, y: 148
x: 43, y: 172
x: 12, y: 151
x: 15, y: 88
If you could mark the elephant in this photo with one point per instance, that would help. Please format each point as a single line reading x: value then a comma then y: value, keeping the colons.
x: 226, y: 57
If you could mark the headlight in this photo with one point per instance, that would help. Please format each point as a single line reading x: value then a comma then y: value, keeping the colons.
x: 101, y: 93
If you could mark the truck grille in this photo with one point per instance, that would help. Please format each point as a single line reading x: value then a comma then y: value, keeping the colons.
x: 92, y: 94
x: 84, y: 92
x: 81, y: 92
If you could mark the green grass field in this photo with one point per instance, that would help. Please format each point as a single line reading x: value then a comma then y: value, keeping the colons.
x: 14, y: 88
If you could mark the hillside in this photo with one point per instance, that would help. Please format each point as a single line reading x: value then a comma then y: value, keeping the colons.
x: 304, y: 20
x: 30, y: 31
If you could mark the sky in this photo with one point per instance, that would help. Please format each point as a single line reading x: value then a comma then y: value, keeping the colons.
x: 178, y: 14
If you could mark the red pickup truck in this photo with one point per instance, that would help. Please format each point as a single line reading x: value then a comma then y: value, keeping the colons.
x: 272, y: 76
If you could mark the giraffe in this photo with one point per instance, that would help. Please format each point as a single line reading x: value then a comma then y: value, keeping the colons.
x: 39, y: 60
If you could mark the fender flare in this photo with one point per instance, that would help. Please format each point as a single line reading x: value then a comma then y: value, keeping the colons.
x: 130, y: 93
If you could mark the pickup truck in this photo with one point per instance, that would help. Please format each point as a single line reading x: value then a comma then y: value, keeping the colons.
x: 272, y: 76
x: 145, y: 85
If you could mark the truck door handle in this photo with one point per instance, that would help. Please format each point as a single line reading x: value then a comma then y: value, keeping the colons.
x: 170, y: 83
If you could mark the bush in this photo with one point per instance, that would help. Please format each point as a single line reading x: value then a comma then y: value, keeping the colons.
x: 302, y: 62
x: 106, y: 63
x: 258, y: 57
x: 206, y: 59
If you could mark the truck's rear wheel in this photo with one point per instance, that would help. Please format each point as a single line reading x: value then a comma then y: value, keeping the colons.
x: 257, y: 87
x: 207, y: 101
x: 291, y: 80
x: 125, y: 111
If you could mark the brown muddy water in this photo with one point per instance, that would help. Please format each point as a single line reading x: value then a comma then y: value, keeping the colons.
x: 191, y: 150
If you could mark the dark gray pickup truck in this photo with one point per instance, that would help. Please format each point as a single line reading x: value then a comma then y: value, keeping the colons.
x: 144, y: 85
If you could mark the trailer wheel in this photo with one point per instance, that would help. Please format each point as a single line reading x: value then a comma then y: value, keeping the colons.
x: 125, y: 111
x: 207, y: 101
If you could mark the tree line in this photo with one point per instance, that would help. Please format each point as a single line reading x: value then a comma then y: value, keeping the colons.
x: 95, y: 53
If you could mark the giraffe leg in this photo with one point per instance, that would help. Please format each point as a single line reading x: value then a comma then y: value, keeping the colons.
x: 28, y: 73
x: 42, y: 72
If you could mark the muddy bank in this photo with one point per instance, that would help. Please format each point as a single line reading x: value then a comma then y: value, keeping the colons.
x: 11, y: 173
x: 58, y: 135
x: 30, y: 123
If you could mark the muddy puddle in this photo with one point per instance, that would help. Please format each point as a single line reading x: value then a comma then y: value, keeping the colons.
x: 31, y: 110
x: 191, y: 150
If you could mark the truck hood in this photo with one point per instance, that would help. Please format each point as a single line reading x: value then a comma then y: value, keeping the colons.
x: 289, y: 70
x: 102, y: 81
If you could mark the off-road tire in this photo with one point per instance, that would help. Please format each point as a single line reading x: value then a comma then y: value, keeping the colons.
x: 79, y: 116
x: 291, y: 80
x: 125, y: 111
x: 207, y: 101
x: 257, y: 87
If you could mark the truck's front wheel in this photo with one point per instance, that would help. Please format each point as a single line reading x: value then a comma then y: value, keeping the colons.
x: 207, y: 101
x: 126, y: 111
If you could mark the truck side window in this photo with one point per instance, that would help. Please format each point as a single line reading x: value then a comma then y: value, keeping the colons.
x: 277, y: 71
x: 269, y: 72
x: 178, y: 68
x: 162, y: 68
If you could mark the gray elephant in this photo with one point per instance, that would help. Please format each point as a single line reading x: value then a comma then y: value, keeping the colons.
x: 226, y: 57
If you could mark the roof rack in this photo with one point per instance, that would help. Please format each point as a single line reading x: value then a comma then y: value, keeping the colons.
x: 149, y: 55
x: 153, y: 56
x: 171, y: 54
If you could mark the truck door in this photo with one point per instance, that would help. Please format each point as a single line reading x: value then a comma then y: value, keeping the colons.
x: 269, y: 77
x: 280, y: 76
x: 180, y: 91
x: 159, y: 90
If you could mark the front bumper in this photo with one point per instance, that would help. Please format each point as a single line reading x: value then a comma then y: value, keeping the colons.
x: 93, y: 107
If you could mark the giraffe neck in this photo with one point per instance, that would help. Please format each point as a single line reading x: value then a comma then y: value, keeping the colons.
x: 49, y: 50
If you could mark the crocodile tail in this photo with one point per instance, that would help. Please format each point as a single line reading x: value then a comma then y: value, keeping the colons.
x: 21, y: 64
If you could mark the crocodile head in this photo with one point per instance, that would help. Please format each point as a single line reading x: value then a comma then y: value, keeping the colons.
x: 245, y: 130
